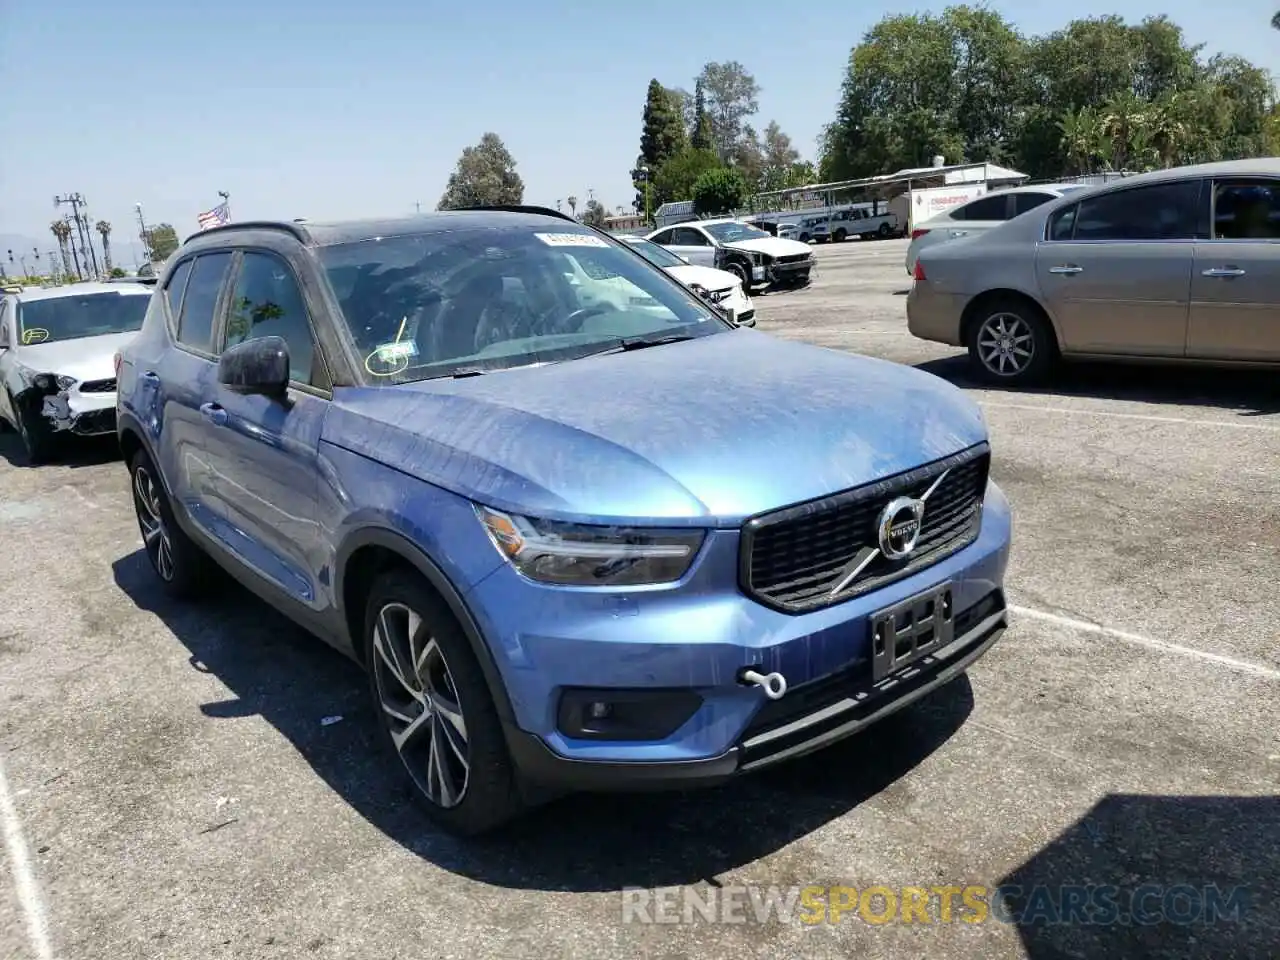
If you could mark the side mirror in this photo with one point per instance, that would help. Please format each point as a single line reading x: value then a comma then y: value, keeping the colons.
x: 256, y: 366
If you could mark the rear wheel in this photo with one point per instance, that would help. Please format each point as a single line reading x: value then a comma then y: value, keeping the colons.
x: 883, y: 231
x: 840, y: 235
x: 435, y: 707
x: 1011, y: 342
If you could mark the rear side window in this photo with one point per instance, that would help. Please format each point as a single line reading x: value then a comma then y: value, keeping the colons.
x: 195, y: 325
x: 1246, y: 210
x: 1164, y: 211
x: 177, y: 283
x: 1022, y: 202
x: 993, y: 207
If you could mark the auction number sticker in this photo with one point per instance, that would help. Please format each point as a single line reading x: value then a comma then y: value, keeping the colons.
x: 571, y: 240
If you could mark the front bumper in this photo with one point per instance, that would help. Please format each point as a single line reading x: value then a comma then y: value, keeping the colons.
x: 698, y: 634
x: 83, y: 414
x: 794, y: 272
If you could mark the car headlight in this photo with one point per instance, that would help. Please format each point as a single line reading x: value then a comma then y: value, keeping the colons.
x: 49, y: 382
x: 552, y: 551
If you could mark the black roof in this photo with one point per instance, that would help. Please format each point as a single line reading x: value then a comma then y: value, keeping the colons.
x: 348, y: 231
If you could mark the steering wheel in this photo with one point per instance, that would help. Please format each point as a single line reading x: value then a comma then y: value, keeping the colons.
x: 573, y: 322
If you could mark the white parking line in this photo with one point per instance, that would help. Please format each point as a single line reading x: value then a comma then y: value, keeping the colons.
x: 1164, y: 646
x: 24, y: 880
x: 1152, y: 418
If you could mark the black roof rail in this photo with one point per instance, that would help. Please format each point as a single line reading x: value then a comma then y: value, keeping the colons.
x: 290, y: 228
x: 523, y: 208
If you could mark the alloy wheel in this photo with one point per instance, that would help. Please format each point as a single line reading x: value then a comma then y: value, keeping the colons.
x: 1006, y: 344
x: 155, y: 535
x: 420, y: 700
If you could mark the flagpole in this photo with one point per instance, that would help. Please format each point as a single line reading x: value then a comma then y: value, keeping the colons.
x: 226, y: 200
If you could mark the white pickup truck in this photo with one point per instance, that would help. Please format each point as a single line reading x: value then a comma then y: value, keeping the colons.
x: 857, y: 222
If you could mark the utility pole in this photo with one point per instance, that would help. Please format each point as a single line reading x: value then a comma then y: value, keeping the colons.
x: 417, y: 205
x: 142, y: 235
x: 76, y: 202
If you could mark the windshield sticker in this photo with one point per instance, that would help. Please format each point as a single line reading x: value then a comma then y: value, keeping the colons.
x: 34, y: 335
x: 572, y: 240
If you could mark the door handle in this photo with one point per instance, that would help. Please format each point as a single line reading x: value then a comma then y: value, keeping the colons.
x: 1066, y: 269
x: 1223, y: 272
x: 214, y: 413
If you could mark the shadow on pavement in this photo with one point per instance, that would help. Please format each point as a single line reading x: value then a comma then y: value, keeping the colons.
x: 74, y: 451
x: 1247, y: 393
x: 1170, y: 877
x: 581, y: 843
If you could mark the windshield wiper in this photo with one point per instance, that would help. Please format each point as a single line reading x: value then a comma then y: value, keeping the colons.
x: 627, y: 344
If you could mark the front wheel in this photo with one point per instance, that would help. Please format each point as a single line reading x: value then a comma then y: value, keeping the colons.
x: 840, y: 235
x: 435, y: 707
x: 1011, y: 343
x: 38, y: 439
x: 883, y: 231
x: 741, y: 271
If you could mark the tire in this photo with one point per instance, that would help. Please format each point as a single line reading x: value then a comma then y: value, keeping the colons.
x: 37, y: 438
x: 999, y: 336
x: 473, y: 789
x: 840, y: 235
x: 742, y: 272
x: 804, y: 238
x: 181, y: 566
x: 883, y: 231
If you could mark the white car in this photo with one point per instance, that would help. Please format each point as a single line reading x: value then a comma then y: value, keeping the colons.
x: 721, y: 286
x: 748, y: 252
x: 978, y: 216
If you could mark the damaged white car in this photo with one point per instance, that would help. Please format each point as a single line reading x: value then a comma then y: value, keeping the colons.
x: 57, y: 359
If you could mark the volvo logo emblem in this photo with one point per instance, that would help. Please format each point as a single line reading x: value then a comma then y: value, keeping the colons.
x: 898, y: 527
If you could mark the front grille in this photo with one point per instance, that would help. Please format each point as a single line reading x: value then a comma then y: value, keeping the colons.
x: 719, y: 296
x: 794, y: 258
x: 98, y: 386
x: 793, y: 558
x: 94, y: 422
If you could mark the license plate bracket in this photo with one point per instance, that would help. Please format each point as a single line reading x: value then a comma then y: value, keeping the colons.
x: 911, y: 629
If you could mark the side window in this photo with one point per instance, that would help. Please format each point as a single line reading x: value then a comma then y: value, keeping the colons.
x: 1164, y: 211
x: 1063, y: 223
x: 663, y: 238
x: 266, y: 302
x: 195, y: 324
x: 1022, y: 202
x: 688, y: 237
x: 177, y: 283
x: 1246, y: 210
x: 993, y: 207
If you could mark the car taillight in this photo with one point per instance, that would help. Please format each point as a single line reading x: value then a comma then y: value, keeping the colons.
x: 918, y: 272
x: 918, y: 233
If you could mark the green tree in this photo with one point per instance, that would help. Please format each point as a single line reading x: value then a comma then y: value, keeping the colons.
x: 718, y: 191
x: 678, y: 175
x: 748, y: 159
x: 731, y: 98
x: 118, y: 272
x: 62, y: 232
x: 104, y: 230
x: 700, y: 135
x: 594, y: 213
x: 779, y: 158
x: 662, y: 134
x: 485, y: 175
x: 161, y: 240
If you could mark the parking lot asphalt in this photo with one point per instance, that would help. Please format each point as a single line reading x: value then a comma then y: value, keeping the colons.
x: 169, y: 786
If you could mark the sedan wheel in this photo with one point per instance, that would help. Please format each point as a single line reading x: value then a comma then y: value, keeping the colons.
x: 155, y: 534
x: 420, y: 700
x: 1006, y: 344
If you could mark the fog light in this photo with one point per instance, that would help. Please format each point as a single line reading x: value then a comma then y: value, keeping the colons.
x: 598, y: 710
x: 616, y: 714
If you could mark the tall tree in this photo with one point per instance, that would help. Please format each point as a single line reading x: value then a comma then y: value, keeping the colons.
x: 701, y: 137
x: 778, y: 159
x: 678, y: 175
x: 573, y: 206
x: 104, y: 230
x: 485, y: 175
x: 594, y: 213
x: 62, y: 232
x: 748, y: 160
x: 730, y: 94
x: 662, y: 134
x: 162, y: 241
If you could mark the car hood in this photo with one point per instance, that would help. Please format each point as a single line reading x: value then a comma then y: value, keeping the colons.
x: 85, y: 358
x: 708, y: 277
x: 772, y: 246
x: 706, y: 432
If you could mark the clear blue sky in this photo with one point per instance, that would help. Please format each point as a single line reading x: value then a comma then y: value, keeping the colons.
x: 327, y: 109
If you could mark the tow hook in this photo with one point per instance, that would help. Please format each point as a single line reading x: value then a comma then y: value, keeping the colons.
x: 773, y: 684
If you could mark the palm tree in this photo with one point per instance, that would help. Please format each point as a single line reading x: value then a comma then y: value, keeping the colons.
x: 573, y: 206
x: 62, y: 230
x: 104, y: 229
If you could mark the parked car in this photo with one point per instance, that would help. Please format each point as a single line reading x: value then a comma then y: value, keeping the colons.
x: 1173, y: 266
x: 56, y: 349
x: 978, y: 216
x: 854, y: 222
x: 775, y: 228
x: 743, y: 250
x: 575, y: 547
x: 721, y: 287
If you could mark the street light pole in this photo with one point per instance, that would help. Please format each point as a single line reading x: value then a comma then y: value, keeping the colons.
x: 142, y: 235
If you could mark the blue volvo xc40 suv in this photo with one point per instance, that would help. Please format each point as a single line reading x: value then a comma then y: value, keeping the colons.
x: 581, y: 531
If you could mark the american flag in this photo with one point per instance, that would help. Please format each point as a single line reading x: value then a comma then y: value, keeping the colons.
x: 216, y: 217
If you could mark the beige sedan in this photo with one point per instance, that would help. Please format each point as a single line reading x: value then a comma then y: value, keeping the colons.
x: 1179, y: 266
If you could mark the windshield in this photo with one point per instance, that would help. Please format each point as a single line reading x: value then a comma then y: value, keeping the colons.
x: 732, y: 232
x: 658, y: 256
x: 89, y: 315
x: 430, y: 305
